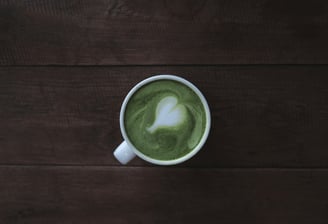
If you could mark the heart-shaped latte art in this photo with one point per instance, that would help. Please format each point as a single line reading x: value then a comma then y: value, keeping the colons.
x: 168, y: 114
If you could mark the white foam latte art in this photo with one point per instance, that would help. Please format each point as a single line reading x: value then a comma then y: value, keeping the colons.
x: 168, y: 114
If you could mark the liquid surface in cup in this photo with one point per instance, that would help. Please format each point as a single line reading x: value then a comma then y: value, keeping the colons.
x: 165, y: 120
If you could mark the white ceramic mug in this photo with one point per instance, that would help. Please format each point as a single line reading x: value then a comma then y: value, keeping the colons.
x: 126, y: 151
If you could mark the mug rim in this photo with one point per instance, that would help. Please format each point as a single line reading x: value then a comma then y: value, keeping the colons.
x: 195, y: 90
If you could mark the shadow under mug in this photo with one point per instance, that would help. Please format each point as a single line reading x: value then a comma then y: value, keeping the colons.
x: 126, y: 151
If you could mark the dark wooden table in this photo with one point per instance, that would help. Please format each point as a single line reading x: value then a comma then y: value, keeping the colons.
x: 66, y: 66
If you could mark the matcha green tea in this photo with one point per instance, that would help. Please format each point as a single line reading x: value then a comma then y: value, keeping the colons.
x: 165, y: 120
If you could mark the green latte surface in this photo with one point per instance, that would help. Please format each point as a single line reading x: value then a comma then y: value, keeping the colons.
x: 165, y: 120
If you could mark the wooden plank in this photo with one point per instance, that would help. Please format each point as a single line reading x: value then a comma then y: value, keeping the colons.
x: 263, y: 116
x: 160, y: 195
x: 122, y: 32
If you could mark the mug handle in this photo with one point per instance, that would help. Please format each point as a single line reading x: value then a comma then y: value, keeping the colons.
x: 123, y: 153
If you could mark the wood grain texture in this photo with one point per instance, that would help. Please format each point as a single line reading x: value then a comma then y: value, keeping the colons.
x: 107, y: 32
x: 263, y: 116
x: 266, y: 158
x: 161, y: 195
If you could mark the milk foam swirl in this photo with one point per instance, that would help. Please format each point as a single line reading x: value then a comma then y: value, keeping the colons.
x: 165, y: 119
x: 168, y: 114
